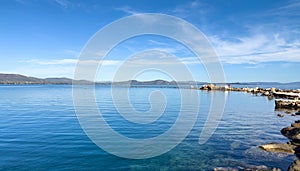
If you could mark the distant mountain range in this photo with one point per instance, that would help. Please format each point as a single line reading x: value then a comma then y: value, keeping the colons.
x: 21, y: 79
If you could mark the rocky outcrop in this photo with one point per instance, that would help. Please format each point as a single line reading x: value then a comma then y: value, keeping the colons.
x: 286, y: 95
x: 287, y: 104
x: 291, y: 147
x: 290, y: 98
x: 210, y: 87
x: 292, y: 133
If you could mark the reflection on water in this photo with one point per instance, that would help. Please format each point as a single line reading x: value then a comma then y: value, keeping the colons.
x: 39, y: 130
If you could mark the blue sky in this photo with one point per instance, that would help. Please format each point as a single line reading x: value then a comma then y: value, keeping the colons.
x: 255, y: 40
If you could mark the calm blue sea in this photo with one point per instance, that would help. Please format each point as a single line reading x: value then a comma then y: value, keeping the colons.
x: 39, y: 130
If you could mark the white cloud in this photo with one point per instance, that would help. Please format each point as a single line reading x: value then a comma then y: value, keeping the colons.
x: 195, y: 8
x: 290, y: 9
x: 256, y: 49
x: 70, y: 62
x: 63, y: 3
x: 128, y: 10
x: 70, y: 52
x: 50, y: 62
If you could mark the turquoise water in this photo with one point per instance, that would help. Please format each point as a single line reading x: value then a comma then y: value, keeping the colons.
x: 39, y: 130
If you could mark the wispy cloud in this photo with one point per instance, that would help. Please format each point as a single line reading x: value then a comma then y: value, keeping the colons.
x: 63, y: 3
x: 194, y: 8
x: 257, y: 49
x: 128, y: 10
x: 50, y: 62
x: 70, y: 62
x: 70, y: 52
x: 292, y: 8
x: 68, y: 4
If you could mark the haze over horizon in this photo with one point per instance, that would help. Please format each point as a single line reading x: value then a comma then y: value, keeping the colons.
x: 255, y: 40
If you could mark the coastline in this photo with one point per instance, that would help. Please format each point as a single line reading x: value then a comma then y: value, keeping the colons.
x: 285, y: 100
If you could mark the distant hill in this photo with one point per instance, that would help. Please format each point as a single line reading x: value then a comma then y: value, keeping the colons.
x: 58, y: 80
x: 21, y: 79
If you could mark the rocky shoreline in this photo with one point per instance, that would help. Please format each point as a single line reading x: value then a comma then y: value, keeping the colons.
x: 286, y: 100
x: 291, y: 147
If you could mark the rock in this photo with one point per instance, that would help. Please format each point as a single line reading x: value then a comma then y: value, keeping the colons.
x: 297, y: 113
x: 286, y: 95
x: 255, y: 90
x: 250, y: 168
x: 208, y: 87
x: 297, y: 121
x: 246, y: 89
x: 293, y: 114
x: 287, y: 104
x: 266, y: 93
x: 273, y: 89
x: 238, y: 89
x: 280, y: 115
x: 261, y: 168
x: 270, y: 97
x: 288, y: 112
x: 275, y: 169
x: 292, y: 133
x: 295, y: 166
x: 225, y: 169
x: 278, y: 147
x: 296, y: 144
x: 296, y: 125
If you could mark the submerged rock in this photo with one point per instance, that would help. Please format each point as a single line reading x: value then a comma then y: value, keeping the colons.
x: 250, y: 168
x: 278, y: 147
x: 261, y: 168
x: 280, y: 115
x: 225, y: 169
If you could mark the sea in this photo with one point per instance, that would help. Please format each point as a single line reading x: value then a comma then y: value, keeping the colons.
x: 40, y: 129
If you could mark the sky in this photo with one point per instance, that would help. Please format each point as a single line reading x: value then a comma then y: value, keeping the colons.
x: 255, y: 40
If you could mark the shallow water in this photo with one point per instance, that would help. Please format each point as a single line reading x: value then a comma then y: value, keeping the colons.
x: 39, y: 131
